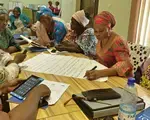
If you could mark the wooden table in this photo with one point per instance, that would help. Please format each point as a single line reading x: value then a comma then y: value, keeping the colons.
x: 71, y: 111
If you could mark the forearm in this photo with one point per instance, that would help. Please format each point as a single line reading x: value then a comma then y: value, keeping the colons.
x: 108, y: 72
x: 74, y: 49
x: 27, y: 110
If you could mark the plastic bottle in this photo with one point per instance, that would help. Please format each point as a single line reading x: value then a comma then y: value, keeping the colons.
x: 127, y: 108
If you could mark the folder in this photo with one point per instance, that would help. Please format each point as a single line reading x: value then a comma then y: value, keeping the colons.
x: 100, y: 109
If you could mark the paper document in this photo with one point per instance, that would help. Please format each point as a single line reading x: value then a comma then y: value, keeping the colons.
x: 62, y: 65
x: 33, y: 43
x: 57, y: 90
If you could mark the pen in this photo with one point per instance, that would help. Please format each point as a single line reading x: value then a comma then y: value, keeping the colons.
x: 94, y: 68
x: 91, y: 70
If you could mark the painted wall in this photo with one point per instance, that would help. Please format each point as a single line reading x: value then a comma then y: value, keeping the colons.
x: 121, y: 10
x: 68, y: 7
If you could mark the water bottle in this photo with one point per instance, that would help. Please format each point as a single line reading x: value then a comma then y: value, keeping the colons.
x: 127, y: 108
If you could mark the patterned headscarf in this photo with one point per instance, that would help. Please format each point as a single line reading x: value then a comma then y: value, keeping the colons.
x: 80, y: 17
x: 3, y: 11
x: 105, y: 18
x: 18, y: 9
x: 43, y: 11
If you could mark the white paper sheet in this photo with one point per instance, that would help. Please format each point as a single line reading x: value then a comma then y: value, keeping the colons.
x: 147, y: 101
x: 62, y: 65
x: 57, y: 90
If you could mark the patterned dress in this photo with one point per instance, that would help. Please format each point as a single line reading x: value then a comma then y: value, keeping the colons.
x: 7, y: 40
x: 117, y: 56
x: 87, y: 42
x: 59, y: 32
x: 9, y: 72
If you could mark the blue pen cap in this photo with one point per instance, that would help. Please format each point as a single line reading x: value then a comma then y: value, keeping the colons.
x: 131, y: 81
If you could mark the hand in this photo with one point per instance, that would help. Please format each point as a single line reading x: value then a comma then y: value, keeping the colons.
x: 43, y: 90
x: 19, y: 58
x: 34, y: 28
x: 60, y: 47
x: 8, y: 86
x: 92, y: 74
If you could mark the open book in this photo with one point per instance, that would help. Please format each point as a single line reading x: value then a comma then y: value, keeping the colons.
x: 33, y: 43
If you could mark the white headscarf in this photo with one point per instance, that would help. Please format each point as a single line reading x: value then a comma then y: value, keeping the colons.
x: 80, y: 17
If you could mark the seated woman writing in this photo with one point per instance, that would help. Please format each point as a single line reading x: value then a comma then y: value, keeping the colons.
x: 48, y: 29
x: 19, y: 22
x: 111, y: 50
x: 7, y: 42
x: 82, y: 39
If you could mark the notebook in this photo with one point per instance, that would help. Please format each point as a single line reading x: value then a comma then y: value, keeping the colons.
x: 100, y: 109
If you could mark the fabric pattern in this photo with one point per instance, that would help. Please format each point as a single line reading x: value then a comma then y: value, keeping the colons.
x: 59, y: 32
x: 9, y: 72
x: 145, y: 80
x: 117, y: 56
x: 138, y: 54
x: 7, y: 40
x: 87, y: 42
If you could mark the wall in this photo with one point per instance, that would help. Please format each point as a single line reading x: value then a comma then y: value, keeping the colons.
x: 121, y: 10
x: 5, y: 2
x: 68, y: 8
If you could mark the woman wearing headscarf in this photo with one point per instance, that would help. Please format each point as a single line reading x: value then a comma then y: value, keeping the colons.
x: 17, y: 19
x: 81, y: 39
x: 111, y: 50
x: 49, y: 29
x: 7, y: 42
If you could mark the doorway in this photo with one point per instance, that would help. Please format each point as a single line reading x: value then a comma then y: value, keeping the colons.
x: 91, y: 7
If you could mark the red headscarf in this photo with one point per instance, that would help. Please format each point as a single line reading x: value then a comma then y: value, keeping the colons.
x: 105, y: 18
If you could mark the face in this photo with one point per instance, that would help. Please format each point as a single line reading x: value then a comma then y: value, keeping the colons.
x: 75, y: 25
x: 57, y: 3
x: 50, y: 3
x: 100, y: 31
x: 47, y: 22
x: 3, y: 21
x: 16, y: 13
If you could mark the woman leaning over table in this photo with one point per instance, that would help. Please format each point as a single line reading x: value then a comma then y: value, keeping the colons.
x: 80, y: 39
x: 111, y: 50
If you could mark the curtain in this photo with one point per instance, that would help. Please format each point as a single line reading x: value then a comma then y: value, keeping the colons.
x: 143, y: 29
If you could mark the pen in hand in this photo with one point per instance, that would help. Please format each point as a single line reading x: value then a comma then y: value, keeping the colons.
x: 91, y: 70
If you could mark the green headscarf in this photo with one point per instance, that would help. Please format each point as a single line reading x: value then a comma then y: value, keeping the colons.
x: 18, y: 9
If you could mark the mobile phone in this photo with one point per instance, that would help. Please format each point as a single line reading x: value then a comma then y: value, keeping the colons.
x: 144, y: 115
x: 24, y: 88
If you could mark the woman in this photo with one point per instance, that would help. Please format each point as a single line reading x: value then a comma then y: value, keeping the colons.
x: 48, y: 29
x: 50, y: 5
x: 7, y: 42
x: 17, y: 19
x: 111, y: 50
x: 56, y: 9
x: 82, y: 39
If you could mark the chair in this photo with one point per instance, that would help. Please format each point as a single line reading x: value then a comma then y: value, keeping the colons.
x: 138, y: 54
